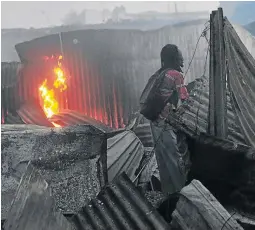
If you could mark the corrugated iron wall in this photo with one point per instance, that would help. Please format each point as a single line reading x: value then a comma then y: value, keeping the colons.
x: 108, y: 68
x: 9, y: 79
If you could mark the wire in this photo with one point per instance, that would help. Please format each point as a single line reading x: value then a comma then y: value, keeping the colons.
x: 203, y: 34
x: 228, y: 220
x: 200, y: 90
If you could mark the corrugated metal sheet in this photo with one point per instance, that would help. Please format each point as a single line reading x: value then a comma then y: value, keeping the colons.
x: 9, y: 79
x: 196, y: 115
x: 124, y: 153
x: 241, y: 67
x: 9, y: 73
x: 111, y: 67
x: 11, y: 37
x: 247, y: 39
x: 119, y: 206
x: 143, y: 131
x: 30, y: 113
x: 70, y: 117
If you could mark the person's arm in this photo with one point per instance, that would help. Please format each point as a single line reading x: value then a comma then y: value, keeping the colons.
x: 181, y: 88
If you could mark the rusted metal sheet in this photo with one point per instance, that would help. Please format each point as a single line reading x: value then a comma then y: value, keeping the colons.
x: 124, y: 153
x: 241, y: 71
x: 72, y: 160
x: 107, y: 68
x: 119, y: 206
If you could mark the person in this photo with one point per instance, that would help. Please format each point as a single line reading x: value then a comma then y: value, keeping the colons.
x: 172, y: 163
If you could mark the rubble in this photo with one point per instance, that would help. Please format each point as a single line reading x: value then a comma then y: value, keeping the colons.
x: 72, y: 160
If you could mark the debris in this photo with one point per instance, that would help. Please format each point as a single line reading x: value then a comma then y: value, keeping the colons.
x: 72, y: 160
x: 33, y: 206
x: 119, y: 206
x: 156, y: 198
x: 198, y: 209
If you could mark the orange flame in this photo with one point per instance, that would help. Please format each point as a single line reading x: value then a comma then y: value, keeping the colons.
x: 47, y: 93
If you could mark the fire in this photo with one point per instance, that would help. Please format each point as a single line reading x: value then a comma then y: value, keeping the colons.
x: 47, y: 91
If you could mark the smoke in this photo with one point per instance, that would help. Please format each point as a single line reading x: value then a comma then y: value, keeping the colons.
x: 74, y: 18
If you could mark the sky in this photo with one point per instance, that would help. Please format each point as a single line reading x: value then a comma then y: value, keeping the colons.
x: 43, y: 14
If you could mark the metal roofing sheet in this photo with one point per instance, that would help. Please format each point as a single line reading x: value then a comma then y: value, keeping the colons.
x: 196, y: 115
x: 9, y: 73
x: 143, y: 131
x: 9, y: 79
x: 71, y: 117
x: 124, y: 153
x: 247, y: 38
x: 241, y: 67
x: 119, y: 206
x: 31, y: 113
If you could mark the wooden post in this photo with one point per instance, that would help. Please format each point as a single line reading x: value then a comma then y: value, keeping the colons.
x: 217, y: 124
